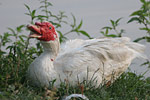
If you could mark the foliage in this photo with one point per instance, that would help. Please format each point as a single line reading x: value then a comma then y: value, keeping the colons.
x: 142, y: 16
x: 127, y: 87
x: 16, y: 54
x: 113, y: 27
x: 57, y: 20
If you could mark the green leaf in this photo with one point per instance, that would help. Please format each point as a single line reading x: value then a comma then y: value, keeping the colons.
x: 12, y: 30
x: 137, y: 13
x: 134, y: 19
x: 64, y: 22
x: 2, y: 52
x: 111, y: 35
x: 148, y: 39
x: 27, y: 14
x: 44, y: 10
x: 113, y: 23
x: 62, y: 38
x: 5, y: 39
x: 24, y: 36
x: 102, y: 32
x: 117, y: 21
x: 122, y: 31
x: 33, y: 13
x: 21, y: 38
x: 60, y: 34
x: 42, y: 16
x: 10, y: 47
x: 56, y: 24
x: 27, y: 7
x: 74, y: 21
x: 42, y: 7
x: 145, y: 29
x: 42, y: 1
x: 6, y: 35
x: 143, y: 1
x: 19, y: 28
x: 85, y: 33
x: 107, y: 27
x: 19, y: 50
x: 107, y: 30
x: 139, y: 39
x: 49, y: 4
x: 79, y: 26
x: 1, y: 36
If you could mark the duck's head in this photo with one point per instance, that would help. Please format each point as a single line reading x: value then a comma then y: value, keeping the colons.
x: 43, y: 31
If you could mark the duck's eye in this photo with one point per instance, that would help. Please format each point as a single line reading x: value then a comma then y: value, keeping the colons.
x: 50, y: 28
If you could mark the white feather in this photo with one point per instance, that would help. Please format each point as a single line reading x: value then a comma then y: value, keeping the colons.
x: 79, y: 60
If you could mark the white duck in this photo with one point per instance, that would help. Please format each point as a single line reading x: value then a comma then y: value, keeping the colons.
x: 79, y: 60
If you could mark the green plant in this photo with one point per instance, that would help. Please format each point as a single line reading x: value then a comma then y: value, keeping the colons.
x: 113, y: 28
x: 57, y: 20
x: 142, y: 16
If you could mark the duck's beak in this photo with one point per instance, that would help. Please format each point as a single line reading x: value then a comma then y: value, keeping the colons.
x: 35, y: 31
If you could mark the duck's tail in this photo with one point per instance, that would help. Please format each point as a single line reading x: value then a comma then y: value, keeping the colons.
x: 138, y: 49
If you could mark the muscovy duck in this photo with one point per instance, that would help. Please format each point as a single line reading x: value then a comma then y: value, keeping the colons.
x: 78, y: 60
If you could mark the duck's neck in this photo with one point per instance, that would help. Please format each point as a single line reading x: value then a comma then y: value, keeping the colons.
x: 51, y: 47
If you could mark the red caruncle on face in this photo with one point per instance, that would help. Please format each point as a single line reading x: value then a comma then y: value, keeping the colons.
x: 45, y: 30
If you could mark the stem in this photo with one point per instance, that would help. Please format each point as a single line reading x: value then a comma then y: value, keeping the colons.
x: 149, y: 10
x: 16, y: 36
x: 68, y: 32
x: 26, y: 44
x: 116, y: 31
x: 31, y: 20
x: 119, y: 35
x: 145, y: 24
x: 1, y: 45
x: 46, y: 11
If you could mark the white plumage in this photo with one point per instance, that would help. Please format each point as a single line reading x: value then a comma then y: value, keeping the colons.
x: 79, y: 60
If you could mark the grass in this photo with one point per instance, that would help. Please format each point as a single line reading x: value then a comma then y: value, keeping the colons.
x: 128, y: 86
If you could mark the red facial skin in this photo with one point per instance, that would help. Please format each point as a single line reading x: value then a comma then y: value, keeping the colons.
x: 44, y: 31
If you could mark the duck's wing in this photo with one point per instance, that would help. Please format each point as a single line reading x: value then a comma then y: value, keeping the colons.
x: 106, y: 56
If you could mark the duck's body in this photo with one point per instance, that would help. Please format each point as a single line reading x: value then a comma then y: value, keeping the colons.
x: 78, y: 60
